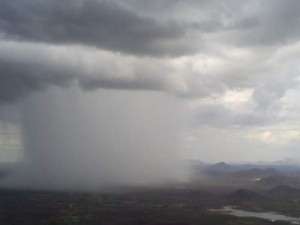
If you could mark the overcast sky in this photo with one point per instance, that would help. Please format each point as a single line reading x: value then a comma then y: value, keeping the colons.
x: 232, y: 64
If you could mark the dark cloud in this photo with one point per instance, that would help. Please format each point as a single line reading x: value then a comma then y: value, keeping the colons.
x: 269, y: 23
x: 25, y: 68
x: 244, y: 23
x: 19, y: 81
x: 126, y: 84
x: 104, y: 24
x: 151, y: 27
x: 21, y: 77
x: 40, y: 40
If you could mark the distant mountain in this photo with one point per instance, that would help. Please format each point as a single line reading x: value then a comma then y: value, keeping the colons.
x: 245, y: 166
x: 277, y: 180
x: 223, y: 170
x: 221, y: 167
x: 289, y: 161
x: 242, y: 195
x: 284, y: 192
x: 256, y: 173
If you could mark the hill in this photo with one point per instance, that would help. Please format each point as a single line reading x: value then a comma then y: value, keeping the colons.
x: 242, y: 195
x: 276, y: 180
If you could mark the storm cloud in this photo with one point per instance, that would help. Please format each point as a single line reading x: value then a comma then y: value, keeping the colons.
x: 233, y: 63
x: 212, y: 46
x: 104, y: 24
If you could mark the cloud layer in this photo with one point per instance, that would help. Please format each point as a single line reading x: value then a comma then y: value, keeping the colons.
x: 208, y: 53
x: 201, y: 45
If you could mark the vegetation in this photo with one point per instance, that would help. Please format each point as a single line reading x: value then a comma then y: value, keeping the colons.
x: 179, y: 204
x: 149, y: 207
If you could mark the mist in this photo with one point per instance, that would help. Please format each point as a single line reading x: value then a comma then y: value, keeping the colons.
x: 76, y: 140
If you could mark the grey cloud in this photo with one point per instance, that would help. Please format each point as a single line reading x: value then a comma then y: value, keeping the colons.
x: 26, y: 67
x: 18, y: 78
x: 126, y: 84
x: 270, y: 91
x: 222, y: 117
x: 128, y: 27
x: 19, y: 81
x: 257, y: 23
x: 151, y: 27
x: 104, y: 24
x: 271, y: 23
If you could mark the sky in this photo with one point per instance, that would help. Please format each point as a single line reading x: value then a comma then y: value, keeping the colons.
x: 231, y: 65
